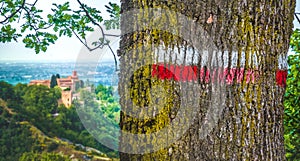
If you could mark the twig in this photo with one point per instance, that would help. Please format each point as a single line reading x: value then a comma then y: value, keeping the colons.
x: 34, y: 3
x: 20, y: 16
x: 80, y: 40
x: 85, y: 43
x: 44, y: 28
x: 112, y: 35
x: 1, y: 7
x: 115, y: 58
x: 297, y: 17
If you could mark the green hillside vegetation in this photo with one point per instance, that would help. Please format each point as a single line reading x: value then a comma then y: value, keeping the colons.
x: 23, y: 141
x: 109, y: 106
x: 100, y: 112
x: 34, y: 126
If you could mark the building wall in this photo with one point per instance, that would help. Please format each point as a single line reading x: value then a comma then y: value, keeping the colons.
x: 71, y: 82
x: 66, y: 97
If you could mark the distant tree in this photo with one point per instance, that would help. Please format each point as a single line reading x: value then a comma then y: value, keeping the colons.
x: 53, y: 81
x: 103, y: 92
x: 87, y: 82
x: 81, y: 83
x: 6, y: 91
x: 57, y: 92
x: 40, y: 101
x: 87, y: 97
x: 57, y: 76
x: 77, y: 85
x: 19, y: 90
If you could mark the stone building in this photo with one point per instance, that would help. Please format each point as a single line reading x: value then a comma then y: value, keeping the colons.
x: 68, y: 86
x: 71, y: 83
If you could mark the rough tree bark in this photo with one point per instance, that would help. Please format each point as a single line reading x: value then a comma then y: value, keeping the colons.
x: 253, y: 36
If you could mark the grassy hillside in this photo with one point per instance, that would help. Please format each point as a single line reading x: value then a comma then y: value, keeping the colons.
x: 33, y: 126
x: 19, y: 139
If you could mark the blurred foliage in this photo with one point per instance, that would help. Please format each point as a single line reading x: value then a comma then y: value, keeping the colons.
x: 292, y: 101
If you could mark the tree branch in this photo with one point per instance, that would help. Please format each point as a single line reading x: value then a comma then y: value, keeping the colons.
x: 92, y: 20
x: 13, y: 14
x: 1, y: 6
x: 103, y: 34
x: 112, y: 35
x: 85, y: 43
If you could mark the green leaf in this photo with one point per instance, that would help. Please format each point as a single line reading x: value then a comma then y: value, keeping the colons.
x: 37, y: 49
x: 67, y: 17
x: 44, y: 48
x: 55, y: 28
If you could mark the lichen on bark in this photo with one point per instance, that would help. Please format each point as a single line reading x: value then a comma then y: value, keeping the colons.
x: 251, y: 35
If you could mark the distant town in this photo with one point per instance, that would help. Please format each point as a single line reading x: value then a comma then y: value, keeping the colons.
x: 23, y: 72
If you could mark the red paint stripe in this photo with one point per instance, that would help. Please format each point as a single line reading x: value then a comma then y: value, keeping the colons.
x: 190, y: 73
x: 281, y: 76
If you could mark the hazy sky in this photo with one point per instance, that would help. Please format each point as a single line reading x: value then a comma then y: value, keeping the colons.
x: 65, y: 49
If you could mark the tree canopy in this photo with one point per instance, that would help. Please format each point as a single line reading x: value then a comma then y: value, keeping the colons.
x: 23, y: 20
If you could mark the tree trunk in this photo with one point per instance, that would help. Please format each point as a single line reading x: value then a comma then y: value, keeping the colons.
x: 203, y: 80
